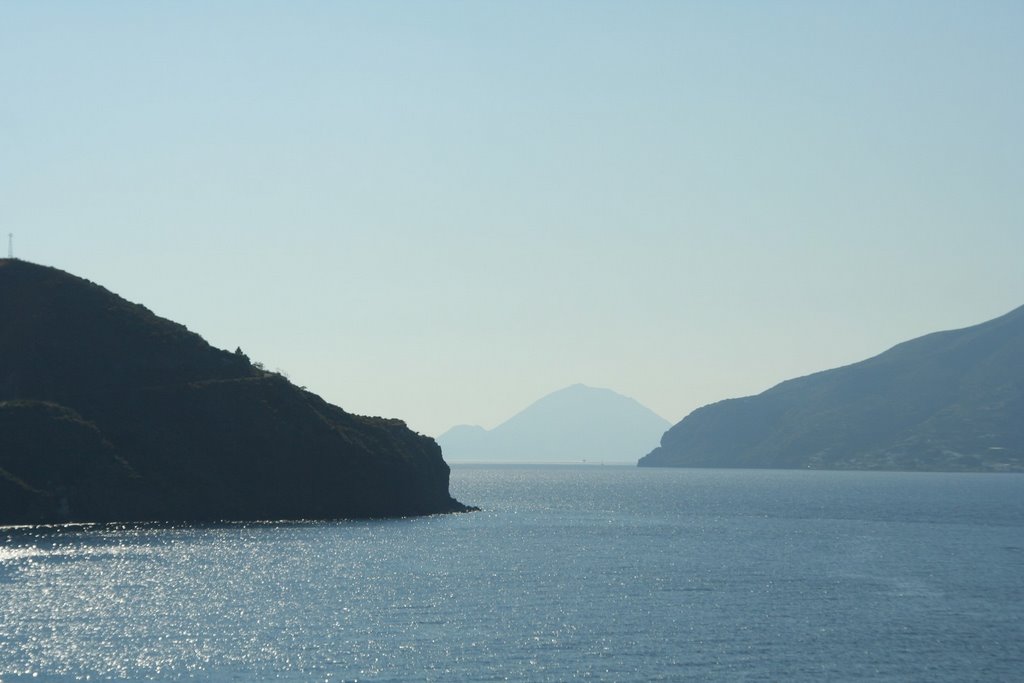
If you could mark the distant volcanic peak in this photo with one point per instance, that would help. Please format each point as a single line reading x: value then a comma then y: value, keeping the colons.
x: 948, y: 401
x: 466, y: 429
x: 584, y: 394
x: 569, y: 425
x: 579, y: 387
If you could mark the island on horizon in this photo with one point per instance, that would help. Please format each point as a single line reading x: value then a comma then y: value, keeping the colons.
x: 577, y: 424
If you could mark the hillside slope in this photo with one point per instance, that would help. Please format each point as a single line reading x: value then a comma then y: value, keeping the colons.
x: 110, y: 413
x: 948, y: 401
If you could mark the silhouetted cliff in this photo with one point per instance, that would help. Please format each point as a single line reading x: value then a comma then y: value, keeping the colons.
x: 948, y: 401
x: 110, y: 413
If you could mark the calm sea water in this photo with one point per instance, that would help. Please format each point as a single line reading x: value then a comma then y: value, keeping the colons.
x: 602, y: 573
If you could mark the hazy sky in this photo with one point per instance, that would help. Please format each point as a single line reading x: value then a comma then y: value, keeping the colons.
x: 441, y: 211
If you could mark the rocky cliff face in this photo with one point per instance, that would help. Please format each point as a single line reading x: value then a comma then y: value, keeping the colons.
x: 110, y: 413
x: 949, y: 401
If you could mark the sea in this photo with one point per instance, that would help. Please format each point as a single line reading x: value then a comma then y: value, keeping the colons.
x: 602, y: 573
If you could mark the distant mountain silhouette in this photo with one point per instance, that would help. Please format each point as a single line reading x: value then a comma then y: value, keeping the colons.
x: 110, y: 413
x: 571, y: 425
x: 948, y: 401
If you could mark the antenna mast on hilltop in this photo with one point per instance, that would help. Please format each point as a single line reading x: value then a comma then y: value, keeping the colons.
x: 10, y: 245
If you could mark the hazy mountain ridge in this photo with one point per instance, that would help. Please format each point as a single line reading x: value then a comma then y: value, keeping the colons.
x: 947, y: 401
x: 110, y: 413
x: 570, y: 425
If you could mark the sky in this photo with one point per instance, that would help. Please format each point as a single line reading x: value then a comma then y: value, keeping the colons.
x: 442, y: 211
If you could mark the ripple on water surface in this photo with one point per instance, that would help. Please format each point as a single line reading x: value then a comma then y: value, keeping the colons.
x: 568, y: 573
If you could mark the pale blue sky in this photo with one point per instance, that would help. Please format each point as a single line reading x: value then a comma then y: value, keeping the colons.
x: 441, y: 211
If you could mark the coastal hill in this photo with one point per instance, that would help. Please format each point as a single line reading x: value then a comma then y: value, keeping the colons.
x: 578, y: 423
x: 111, y: 413
x: 948, y: 401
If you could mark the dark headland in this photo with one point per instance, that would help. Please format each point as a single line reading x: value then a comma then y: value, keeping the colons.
x: 111, y: 413
x: 948, y: 401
